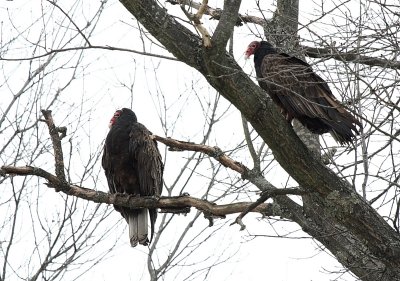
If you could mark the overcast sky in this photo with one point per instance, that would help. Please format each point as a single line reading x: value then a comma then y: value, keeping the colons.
x: 159, y: 87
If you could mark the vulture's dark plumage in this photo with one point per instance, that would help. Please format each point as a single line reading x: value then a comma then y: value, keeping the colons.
x: 300, y: 93
x: 133, y: 165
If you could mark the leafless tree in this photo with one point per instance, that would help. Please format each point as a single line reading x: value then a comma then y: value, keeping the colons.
x: 233, y: 140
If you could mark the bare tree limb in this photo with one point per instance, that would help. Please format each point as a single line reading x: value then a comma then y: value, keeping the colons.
x: 254, y: 175
x: 350, y: 57
x: 215, y: 152
x: 58, y: 153
x: 197, y: 23
x: 226, y: 23
x: 265, y: 195
x: 109, y: 48
x: 124, y: 200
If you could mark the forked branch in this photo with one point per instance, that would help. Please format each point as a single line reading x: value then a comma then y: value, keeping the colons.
x: 58, y: 153
x: 196, y: 19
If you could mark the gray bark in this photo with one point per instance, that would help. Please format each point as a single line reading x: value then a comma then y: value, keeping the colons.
x: 335, y: 214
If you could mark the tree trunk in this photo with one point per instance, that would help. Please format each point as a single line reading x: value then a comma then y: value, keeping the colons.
x: 334, y: 213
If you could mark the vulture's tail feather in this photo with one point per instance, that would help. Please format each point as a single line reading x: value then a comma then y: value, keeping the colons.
x: 153, y: 217
x: 138, y: 227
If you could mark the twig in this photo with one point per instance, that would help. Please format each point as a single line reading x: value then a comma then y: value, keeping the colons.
x: 109, y: 48
x: 253, y: 153
x: 350, y: 57
x: 203, y: 31
x: 71, y: 20
x: 265, y: 195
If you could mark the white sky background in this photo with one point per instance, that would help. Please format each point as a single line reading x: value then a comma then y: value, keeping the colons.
x: 99, y: 89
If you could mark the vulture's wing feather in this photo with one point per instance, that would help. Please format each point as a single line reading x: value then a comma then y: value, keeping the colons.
x: 305, y: 95
x: 109, y: 171
x: 147, y: 161
x: 120, y: 177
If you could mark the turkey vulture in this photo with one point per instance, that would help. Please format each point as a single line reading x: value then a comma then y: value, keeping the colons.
x: 133, y: 165
x: 300, y: 93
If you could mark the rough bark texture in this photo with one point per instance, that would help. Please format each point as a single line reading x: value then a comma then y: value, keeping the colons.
x: 342, y: 243
x: 336, y: 216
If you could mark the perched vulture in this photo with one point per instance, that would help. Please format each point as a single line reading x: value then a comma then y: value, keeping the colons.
x: 133, y: 165
x: 300, y: 93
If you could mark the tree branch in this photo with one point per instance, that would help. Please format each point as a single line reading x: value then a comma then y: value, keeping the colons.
x: 350, y: 57
x: 58, y: 153
x: 197, y: 23
x: 253, y: 153
x: 125, y: 200
x: 254, y: 176
x: 109, y: 48
x: 226, y: 23
x: 215, y: 152
x: 265, y: 195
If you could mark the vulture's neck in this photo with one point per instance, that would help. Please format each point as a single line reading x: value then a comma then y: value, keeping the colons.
x: 259, y: 55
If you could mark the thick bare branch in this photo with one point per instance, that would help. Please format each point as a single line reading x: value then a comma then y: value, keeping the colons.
x: 226, y: 23
x: 254, y: 176
x: 215, y: 152
x: 124, y: 200
x: 58, y: 153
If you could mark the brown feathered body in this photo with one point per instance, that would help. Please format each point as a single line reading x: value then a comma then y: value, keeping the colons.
x: 301, y: 94
x: 133, y: 165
